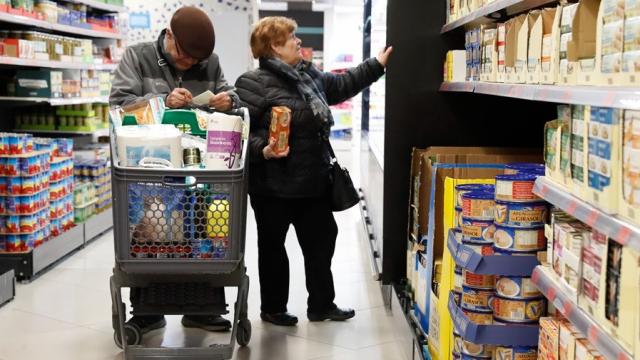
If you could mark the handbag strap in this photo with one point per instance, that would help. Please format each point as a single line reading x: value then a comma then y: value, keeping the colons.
x: 329, y: 147
x: 164, y: 66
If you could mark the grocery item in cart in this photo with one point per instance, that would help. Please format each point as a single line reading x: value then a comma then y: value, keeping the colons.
x: 224, y: 141
x: 135, y: 143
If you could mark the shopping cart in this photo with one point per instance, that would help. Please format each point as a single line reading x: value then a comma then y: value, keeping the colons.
x: 178, y: 233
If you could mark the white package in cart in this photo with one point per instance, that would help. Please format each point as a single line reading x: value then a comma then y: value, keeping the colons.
x: 224, y: 141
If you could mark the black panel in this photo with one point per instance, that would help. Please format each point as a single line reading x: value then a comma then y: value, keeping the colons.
x: 417, y: 114
x: 366, y: 53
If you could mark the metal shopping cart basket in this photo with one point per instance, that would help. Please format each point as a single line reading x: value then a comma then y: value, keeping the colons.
x: 174, y: 228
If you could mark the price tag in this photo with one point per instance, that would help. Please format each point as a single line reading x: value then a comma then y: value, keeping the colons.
x: 551, y: 295
x: 571, y: 208
x: 592, y: 218
x: 593, y: 334
x: 623, y: 236
x: 567, y: 308
x: 623, y: 356
x: 610, y: 99
x: 544, y: 190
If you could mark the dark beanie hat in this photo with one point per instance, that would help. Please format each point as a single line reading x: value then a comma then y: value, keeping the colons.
x: 194, y: 32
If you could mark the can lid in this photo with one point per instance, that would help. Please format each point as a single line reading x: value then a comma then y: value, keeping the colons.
x: 522, y: 203
x: 509, y: 252
x: 474, y: 220
x: 515, y: 177
x: 481, y: 195
x: 526, y: 167
x: 537, y: 227
x: 475, y: 187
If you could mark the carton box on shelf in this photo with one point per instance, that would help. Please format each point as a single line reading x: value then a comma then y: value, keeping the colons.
x: 550, y: 53
x: 489, y: 69
x: 567, y: 74
x: 629, y: 202
x: 39, y: 83
x: 455, y: 67
x: 516, y: 49
x: 604, y: 158
x: 548, y: 343
x: 579, y: 145
x: 534, y: 51
x: 567, y: 341
x: 553, y: 131
x: 501, y: 43
x: 581, y: 50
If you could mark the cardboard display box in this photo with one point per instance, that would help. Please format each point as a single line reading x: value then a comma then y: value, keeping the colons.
x: 516, y: 49
x: 581, y: 50
x: 550, y: 54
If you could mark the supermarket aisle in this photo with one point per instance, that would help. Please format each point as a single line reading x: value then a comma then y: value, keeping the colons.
x: 65, y: 314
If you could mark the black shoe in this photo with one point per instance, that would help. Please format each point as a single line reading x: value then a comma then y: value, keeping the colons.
x: 336, y: 314
x: 148, y: 323
x: 209, y: 323
x: 280, y: 319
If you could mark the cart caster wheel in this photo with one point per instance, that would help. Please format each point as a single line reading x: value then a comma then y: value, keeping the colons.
x: 132, y: 334
x: 243, y: 334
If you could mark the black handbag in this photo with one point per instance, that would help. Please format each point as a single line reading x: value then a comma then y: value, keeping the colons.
x: 343, y: 194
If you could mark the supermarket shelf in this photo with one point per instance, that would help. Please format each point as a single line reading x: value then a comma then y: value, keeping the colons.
x: 23, y: 20
x: 7, y: 285
x: 97, y: 225
x: 484, y: 15
x: 82, y: 206
x: 55, y: 101
x: 468, y: 259
x: 617, y: 229
x: 100, y: 5
x: 617, y: 97
x: 28, y: 155
x: 548, y: 283
x: 100, y: 132
x: 514, y: 334
x: 6, y: 60
x: 464, y: 86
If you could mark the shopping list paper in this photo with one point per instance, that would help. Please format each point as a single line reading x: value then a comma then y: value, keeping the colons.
x: 203, y: 99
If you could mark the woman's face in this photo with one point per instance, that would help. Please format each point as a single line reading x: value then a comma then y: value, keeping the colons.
x: 289, y: 52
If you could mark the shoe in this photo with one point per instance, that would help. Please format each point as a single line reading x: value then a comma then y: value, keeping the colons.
x: 148, y: 323
x: 336, y: 314
x: 209, y: 323
x: 280, y: 319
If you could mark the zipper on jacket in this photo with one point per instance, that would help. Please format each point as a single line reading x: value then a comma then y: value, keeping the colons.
x: 179, y: 81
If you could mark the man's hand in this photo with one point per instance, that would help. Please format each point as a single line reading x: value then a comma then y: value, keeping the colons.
x: 383, y: 56
x: 269, y: 151
x: 221, y: 101
x: 179, y: 97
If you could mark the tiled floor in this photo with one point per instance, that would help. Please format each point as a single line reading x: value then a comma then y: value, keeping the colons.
x: 65, y: 314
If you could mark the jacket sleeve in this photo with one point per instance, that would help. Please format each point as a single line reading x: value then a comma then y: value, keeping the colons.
x: 341, y: 87
x: 223, y: 85
x: 126, y: 88
x: 252, y: 96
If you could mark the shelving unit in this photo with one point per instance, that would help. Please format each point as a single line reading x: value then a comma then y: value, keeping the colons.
x: 618, y: 97
x: 493, y: 11
x: 56, y: 101
x: 494, y: 334
x: 6, y: 60
x: 467, y: 258
x: 619, y: 230
x: 96, y: 133
x: 67, y: 29
x: 100, y: 5
x: 7, y: 285
x: 549, y: 285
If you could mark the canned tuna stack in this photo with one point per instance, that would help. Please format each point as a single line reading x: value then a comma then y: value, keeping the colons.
x: 98, y: 173
x: 61, y: 211
x: 24, y: 197
x: 507, y: 220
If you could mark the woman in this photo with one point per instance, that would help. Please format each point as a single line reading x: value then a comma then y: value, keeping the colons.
x: 292, y: 187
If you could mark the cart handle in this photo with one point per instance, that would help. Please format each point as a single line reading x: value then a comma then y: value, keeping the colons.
x: 187, y: 181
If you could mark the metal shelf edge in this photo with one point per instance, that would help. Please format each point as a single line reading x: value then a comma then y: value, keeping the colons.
x: 615, y: 228
x: 544, y: 280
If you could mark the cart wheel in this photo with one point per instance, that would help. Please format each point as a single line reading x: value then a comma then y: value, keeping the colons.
x: 132, y: 334
x: 243, y: 334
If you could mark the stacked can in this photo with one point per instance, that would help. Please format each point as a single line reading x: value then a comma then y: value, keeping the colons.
x: 98, y: 173
x: 61, y: 193
x: 477, y: 290
x: 24, y: 197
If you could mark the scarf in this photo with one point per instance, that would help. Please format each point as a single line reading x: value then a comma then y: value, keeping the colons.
x: 307, y: 88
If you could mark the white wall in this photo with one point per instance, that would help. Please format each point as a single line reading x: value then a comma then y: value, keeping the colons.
x: 232, y: 20
x: 342, y: 34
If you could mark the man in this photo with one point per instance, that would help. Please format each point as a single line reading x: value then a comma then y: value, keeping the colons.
x: 179, y: 65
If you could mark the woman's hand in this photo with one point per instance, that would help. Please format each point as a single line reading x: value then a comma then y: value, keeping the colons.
x: 269, y: 151
x: 383, y: 56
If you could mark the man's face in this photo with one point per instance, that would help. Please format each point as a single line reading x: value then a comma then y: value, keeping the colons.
x: 182, y: 61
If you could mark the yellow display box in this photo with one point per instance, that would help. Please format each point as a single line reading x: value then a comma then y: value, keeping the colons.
x: 440, y: 323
